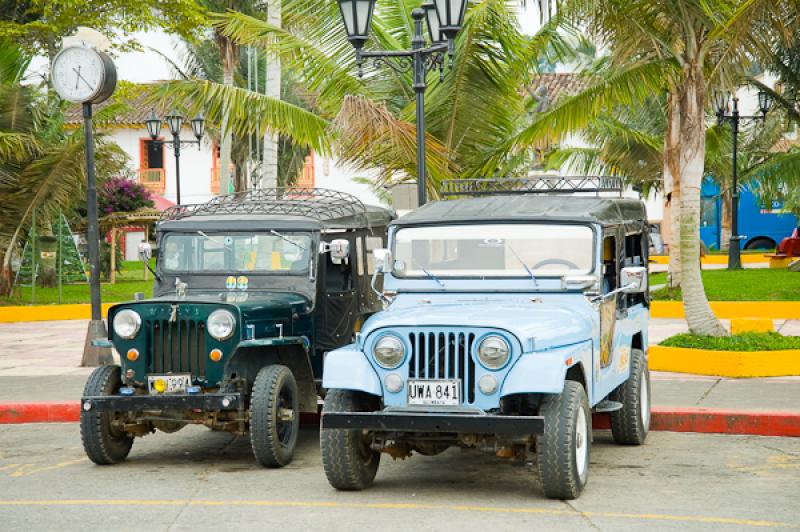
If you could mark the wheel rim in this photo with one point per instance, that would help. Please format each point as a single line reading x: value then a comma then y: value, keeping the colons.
x: 644, y: 401
x: 581, y: 443
x: 285, y: 414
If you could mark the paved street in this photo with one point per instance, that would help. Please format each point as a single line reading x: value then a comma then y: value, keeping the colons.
x: 200, y: 480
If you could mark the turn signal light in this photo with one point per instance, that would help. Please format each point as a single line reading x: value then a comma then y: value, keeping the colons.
x: 215, y: 355
x: 132, y: 355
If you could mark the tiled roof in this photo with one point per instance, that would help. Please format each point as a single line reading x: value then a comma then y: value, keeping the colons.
x: 131, y: 101
x: 549, y: 88
x: 784, y: 145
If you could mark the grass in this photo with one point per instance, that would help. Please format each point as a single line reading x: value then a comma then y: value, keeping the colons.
x: 770, y: 341
x: 739, y: 285
x: 129, y: 281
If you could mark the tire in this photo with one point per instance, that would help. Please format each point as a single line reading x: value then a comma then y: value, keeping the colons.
x: 103, y: 444
x: 349, y: 463
x: 630, y: 425
x: 761, y: 243
x: 272, y: 436
x: 563, y: 450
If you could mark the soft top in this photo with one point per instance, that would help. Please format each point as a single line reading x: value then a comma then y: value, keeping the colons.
x: 532, y: 207
x: 285, y: 207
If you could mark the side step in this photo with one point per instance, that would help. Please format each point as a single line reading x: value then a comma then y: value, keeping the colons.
x: 608, y: 406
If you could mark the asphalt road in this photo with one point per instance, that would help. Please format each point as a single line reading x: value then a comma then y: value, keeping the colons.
x: 199, y: 480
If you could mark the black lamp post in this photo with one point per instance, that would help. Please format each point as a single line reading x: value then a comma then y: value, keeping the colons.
x: 733, y: 118
x: 444, y: 21
x: 175, y: 124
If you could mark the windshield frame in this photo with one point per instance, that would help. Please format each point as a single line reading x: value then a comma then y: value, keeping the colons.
x: 311, y: 264
x: 595, y: 230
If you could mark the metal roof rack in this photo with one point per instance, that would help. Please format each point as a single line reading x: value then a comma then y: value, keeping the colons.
x: 318, y: 203
x: 545, y: 184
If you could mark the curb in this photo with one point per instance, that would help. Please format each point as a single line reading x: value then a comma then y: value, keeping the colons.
x: 702, y: 420
x: 13, y: 314
x: 735, y: 364
x: 755, y: 258
x: 776, y: 310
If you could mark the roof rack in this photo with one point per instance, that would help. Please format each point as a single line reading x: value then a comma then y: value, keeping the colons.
x: 318, y: 203
x: 546, y: 184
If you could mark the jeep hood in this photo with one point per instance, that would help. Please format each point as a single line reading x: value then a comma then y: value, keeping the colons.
x: 549, y: 324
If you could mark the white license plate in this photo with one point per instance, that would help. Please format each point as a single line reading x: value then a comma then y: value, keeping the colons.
x: 434, y: 392
x: 159, y: 384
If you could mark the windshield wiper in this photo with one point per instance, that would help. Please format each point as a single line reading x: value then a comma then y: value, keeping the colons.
x: 213, y: 239
x: 287, y: 239
x: 533, y: 277
x: 429, y: 274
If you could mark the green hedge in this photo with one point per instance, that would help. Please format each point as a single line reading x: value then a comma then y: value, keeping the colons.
x: 751, y: 341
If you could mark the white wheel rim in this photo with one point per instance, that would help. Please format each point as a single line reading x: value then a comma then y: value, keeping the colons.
x: 644, y: 399
x: 581, y: 443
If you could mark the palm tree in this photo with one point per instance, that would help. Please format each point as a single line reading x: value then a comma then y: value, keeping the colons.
x: 678, y: 47
x: 478, y: 103
x: 42, y: 166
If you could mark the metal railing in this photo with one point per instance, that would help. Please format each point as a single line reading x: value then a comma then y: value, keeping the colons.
x: 533, y: 185
x: 153, y: 179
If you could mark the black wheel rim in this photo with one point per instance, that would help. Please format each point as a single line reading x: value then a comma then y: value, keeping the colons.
x: 285, y: 427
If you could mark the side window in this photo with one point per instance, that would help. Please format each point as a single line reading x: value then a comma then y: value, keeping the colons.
x: 633, y: 250
x: 359, y: 252
x: 373, y: 242
x: 609, y: 264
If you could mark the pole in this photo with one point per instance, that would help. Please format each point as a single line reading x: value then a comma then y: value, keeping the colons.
x: 34, y: 261
x: 176, y: 144
x: 59, y: 253
x: 93, y: 355
x: 417, y: 44
x: 734, y: 252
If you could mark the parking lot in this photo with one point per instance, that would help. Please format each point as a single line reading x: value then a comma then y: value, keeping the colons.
x: 201, y: 480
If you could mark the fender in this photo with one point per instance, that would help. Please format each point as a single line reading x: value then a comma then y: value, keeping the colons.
x: 546, y: 371
x: 347, y: 368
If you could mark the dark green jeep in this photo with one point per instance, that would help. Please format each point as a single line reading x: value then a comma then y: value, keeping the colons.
x: 251, y: 289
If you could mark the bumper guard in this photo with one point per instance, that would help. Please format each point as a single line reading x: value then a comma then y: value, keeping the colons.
x: 434, y: 422
x: 130, y: 403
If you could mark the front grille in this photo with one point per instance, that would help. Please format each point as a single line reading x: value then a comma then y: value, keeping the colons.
x: 443, y: 356
x: 177, y: 346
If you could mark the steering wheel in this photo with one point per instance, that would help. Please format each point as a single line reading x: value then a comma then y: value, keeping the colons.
x: 549, y: 262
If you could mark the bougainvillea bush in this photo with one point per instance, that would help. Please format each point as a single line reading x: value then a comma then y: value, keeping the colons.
x: 120, y: 194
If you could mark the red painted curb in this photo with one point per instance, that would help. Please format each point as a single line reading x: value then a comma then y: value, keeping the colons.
x: 702, y: 420
x: 39, y: 412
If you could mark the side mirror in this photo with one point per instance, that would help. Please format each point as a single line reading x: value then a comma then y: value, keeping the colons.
x: 633, y: 279
x: 145, y: 251
x: 383, y: 260
x: 340, y: 250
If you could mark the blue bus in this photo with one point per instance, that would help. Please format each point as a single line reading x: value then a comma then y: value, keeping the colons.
x: 760, y: 228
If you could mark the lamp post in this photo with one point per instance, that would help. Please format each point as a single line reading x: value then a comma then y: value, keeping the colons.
x: 175, y: 123
x: 444, y: 20
x: 734, y: 119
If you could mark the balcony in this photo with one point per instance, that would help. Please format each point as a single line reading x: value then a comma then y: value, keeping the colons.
x: 153, y: 179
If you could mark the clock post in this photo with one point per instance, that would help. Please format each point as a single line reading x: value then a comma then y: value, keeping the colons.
x: 86, y: 75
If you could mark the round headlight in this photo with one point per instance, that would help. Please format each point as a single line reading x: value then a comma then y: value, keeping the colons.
x: 221, y: 324
x: 127, y: 323
x: 389, y: 351
x: 493, y: 352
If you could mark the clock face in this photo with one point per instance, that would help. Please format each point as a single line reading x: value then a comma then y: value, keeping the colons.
x: 78, y: 74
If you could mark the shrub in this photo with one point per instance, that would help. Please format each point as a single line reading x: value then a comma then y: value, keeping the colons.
x: 120, y: 194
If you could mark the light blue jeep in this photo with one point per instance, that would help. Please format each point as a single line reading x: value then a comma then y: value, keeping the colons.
x: 509, y: 320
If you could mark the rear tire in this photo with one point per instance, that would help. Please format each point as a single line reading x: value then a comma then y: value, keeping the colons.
x: 103, y: 444
x: 630, y: 424
x: 349, y: 463
x: 563, y: 450
x: 274, y: 416
x: 764, y: 244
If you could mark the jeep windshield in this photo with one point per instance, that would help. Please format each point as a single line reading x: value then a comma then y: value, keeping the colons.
x: 496, y: 250
x: 213, y: 252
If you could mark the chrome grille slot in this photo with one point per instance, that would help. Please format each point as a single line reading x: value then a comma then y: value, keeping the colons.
x: 177, y: 347
x: 443, y: 356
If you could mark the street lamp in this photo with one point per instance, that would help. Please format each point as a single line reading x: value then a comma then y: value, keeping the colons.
x: 732, y: 117
x: 175, y: 123
x: 444, y: 20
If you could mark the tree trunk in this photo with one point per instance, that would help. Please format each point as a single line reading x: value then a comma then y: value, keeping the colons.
x: 229, y: 60
x: 672, y: 187
x: 269, y: 167
x: 699, y: 316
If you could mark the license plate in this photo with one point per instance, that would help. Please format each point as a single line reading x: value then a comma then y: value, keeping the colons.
x: 434, y: 392
x: 160, y: 384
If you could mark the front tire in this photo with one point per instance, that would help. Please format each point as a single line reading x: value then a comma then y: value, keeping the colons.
x: 349, y: 463
x: 104, y: 445
x: 274, y: 416
x: 630, y: 424
x: 563, y: 450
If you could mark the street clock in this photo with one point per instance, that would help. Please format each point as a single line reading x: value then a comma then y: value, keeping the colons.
x: 82, y: 74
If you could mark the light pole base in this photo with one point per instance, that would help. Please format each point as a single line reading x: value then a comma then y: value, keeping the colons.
x: 94, y: 355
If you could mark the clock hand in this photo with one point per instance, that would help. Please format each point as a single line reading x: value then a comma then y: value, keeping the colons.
x: 78, y: 71
x: 77, y: 79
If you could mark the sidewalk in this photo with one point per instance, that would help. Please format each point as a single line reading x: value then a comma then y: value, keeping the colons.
x: 40, y: 362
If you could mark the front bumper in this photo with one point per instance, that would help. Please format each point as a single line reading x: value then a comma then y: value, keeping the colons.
x: 434, y: 422
x: 132, y: 403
